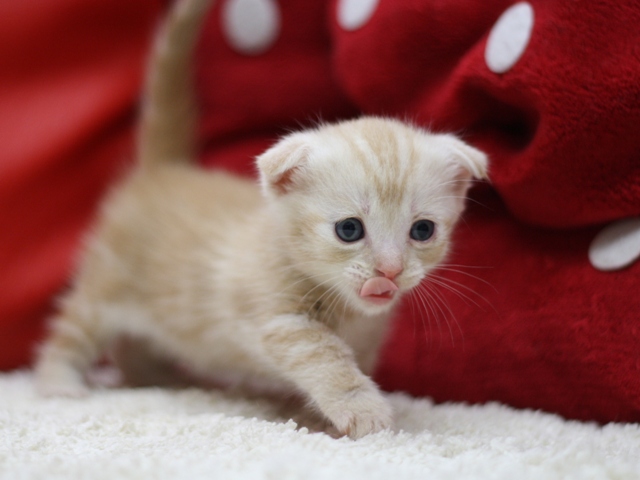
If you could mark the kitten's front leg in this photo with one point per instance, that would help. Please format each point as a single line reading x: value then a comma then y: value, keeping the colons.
x: 323, y: 366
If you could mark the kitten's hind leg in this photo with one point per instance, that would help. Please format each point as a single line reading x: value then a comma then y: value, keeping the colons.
x: 143, y: 365
x: 323, y: 366
x: 76, y: 341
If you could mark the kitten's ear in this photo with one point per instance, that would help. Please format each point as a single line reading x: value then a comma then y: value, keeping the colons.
x: 468, y: 163
x: 280, y: 165
x: 471, y: 159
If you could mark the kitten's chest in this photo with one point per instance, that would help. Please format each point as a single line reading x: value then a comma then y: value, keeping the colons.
x: 255, y: 295
x: 364, y: 334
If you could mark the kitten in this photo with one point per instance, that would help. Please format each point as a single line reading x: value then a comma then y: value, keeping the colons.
x: 291, y: 282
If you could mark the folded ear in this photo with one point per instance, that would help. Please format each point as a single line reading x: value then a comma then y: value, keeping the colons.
x: 281, y: 164
x: 471, y: 159
x: 465, y: 163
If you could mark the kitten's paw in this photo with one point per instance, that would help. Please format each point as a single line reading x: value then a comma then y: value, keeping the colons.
x: 362, y: 412
x: 48, y: 389
x: 60, y: 382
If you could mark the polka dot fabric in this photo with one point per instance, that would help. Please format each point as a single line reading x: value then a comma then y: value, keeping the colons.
x: 251, y: 26
x: 552, y: 93
x: 551, y: 90
x: 249, y: 98
x: 509, y: 37
x: 426, y: 60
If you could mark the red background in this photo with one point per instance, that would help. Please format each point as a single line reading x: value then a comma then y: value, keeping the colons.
x: 533, y: 323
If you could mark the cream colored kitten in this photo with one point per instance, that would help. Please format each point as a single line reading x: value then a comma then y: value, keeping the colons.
x: 292, y: 283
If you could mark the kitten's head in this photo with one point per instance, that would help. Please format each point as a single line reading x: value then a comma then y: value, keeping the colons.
x: 366, y: 207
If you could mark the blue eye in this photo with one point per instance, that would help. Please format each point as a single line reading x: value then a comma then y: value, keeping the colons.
x: 350, y: 230
x: 422, y: 230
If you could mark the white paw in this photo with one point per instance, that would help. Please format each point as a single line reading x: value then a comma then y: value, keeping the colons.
x: 48, y: 389
x: 60, y: 381
x: 361, y: 412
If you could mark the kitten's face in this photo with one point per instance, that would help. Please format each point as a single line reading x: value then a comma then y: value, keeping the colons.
x: 367, y: 207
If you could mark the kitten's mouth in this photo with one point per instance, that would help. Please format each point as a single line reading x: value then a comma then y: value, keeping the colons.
x: 378, y: 290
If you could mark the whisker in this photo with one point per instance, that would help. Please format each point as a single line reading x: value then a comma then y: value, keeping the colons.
x: 440, y: 281
x: 411, y: 300
x: 344, y: 312
x: 319, y: 285
x: 335, y: 291
x: 438, y: 301
x: 448, y: 268
x: 462, y: 266
x: 451, y: 286
x: 451, y: 315
x: 426, y: 306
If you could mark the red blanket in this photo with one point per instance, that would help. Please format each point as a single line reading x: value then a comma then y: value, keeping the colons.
x: 551, y: 90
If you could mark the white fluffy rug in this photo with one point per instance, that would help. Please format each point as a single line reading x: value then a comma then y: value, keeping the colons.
x: 192, y: 434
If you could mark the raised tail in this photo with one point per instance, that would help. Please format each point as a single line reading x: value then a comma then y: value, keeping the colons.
x: 169, y: 116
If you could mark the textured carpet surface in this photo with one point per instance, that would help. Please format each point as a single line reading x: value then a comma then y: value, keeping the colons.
x: 194, y: 434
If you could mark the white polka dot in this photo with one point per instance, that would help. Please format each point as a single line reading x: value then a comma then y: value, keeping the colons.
x: 509, y: 37
x: 617, y: 245
x: 353, y: 14
x: 251, y: 26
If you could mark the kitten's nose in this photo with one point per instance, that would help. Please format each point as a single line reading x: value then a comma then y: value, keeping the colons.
x: 390, y: 272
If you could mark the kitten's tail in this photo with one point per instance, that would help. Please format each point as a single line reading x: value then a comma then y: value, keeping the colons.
x: 169, y: 116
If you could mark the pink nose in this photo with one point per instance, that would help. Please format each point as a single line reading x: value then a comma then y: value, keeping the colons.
x: 389, y: 272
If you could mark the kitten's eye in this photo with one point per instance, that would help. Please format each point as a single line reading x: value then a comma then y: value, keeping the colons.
x: 422, y: 230
x: 350, y: 230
